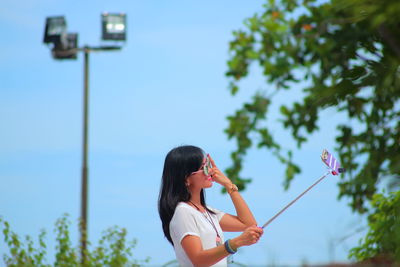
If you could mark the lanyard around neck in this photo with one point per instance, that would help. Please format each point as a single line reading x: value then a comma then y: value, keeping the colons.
x: 208, y: 218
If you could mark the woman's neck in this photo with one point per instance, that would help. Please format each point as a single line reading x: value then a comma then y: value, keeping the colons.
x: 195, y: 199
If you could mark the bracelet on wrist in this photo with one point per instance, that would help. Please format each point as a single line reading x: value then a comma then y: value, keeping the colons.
x: 232, y: 188
x: 228, y: 247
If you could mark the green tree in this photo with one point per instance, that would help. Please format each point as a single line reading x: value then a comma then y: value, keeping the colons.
x: 348, y: 54
x: 343, y: 55
x: 113, y: 249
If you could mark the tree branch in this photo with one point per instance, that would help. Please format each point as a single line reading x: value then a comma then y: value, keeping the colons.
x: 388, y: 37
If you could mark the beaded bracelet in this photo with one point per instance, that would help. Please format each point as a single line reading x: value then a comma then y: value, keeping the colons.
x: 228, y: 247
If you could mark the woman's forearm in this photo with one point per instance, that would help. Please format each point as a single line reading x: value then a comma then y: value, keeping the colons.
x: 210, y: 256
x: 243, y: 212
x: 198, y: 256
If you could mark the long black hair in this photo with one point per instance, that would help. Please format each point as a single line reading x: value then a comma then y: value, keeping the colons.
x: 179, y: 163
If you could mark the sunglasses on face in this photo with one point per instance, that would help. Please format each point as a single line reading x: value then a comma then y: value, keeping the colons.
x: 205, y: 167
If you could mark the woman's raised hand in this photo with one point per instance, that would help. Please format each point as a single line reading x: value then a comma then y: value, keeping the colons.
x: 217, y: 175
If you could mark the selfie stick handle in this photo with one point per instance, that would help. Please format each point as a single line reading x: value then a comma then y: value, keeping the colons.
x: 293, y: 201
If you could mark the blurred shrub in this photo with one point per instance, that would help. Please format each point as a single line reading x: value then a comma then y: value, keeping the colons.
x: 113, y: 249
x: 382, y: 242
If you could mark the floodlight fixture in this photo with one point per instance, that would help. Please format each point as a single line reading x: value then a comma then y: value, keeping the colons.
x: 113, y: 26
x: 55, y: 27
x: 67, y: 48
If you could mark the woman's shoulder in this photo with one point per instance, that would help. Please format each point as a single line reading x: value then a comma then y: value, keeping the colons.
x: 183, y: 207
x: 182, y: 212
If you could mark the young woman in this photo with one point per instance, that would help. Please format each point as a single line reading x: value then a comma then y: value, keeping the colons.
x: 193, y: 228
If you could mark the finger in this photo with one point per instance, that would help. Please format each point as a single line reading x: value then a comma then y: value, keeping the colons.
x: 212, y: 161
x: 259, y: 230
x: 257, y: 233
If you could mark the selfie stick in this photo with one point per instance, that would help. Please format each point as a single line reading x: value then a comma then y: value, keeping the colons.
x: 293, y: 201
x: 334, y: 168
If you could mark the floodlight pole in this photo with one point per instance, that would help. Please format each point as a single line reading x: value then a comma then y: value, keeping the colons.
x: 65, y: 46
x: 85, y: 169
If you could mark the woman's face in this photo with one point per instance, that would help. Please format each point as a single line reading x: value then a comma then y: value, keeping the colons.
x: 199, y: 179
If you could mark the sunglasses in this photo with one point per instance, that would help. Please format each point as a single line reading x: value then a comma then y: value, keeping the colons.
x: 205, y: 167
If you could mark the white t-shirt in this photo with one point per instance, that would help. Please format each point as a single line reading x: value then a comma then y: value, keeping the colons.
x: 189, y: 221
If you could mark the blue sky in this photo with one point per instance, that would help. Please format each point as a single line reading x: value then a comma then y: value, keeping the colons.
x: 165, y: 88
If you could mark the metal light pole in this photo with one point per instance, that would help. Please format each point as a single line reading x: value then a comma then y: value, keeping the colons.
x: 65, y: 46
x: 85, y: 144
x: 85, y: 169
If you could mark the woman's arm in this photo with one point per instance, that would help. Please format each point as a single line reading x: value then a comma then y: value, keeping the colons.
x: 200, y: 257
x: 244, y: 217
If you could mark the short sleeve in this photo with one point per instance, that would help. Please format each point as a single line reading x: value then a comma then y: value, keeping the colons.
x: 218, y: 213
x: 182, y: 224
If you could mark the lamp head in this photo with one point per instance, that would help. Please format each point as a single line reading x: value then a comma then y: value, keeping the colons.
x: 113, y: 26
x: 54, y: 29
x: 67, y: 48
